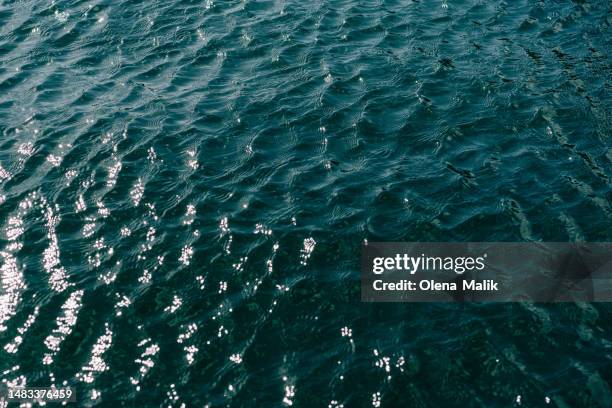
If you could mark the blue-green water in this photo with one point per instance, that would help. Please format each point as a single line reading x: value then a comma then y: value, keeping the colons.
x: 185, y: 186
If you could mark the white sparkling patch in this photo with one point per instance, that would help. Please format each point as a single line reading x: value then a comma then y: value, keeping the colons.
x: 137, y: 192
x: 113, y: 173
x: 71, y: 309
x: 306, y: 251
x: 145, y: 361
x: 289, y: 394
x: 186, y: 255
x: 26, y: 149
x: 96, y: 363
x: 12, y: 286
x: 177, y: 302
x: 13, y: 346
x: 4, y: 174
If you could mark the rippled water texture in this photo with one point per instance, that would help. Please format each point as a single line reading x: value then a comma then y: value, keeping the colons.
x: 185, y: 186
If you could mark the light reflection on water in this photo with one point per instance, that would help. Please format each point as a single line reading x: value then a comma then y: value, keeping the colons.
x: 185, y: 186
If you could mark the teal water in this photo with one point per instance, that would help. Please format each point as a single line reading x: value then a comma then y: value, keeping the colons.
x: 185, y: 186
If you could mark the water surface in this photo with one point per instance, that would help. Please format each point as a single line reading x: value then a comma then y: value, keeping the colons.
x: 185, y: 186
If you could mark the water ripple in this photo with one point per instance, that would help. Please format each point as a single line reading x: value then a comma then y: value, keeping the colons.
x: 185, y: 186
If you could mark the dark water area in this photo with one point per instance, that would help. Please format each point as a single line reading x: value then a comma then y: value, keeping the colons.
x: 185, y: 187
